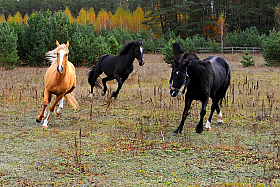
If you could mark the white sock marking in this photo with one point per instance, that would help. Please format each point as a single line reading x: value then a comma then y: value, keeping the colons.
x: 45, y: 125
x: 220, y: 117
x: 208, y: 125
x: 60, y: 107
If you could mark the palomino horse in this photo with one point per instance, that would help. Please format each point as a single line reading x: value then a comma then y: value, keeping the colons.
x: 60, y: 80
x: 204, y: 79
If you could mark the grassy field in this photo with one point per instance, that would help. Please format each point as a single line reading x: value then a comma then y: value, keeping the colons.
x: 129, y: 142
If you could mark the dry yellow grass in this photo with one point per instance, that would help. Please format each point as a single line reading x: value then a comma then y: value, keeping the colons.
x: 129, y: 141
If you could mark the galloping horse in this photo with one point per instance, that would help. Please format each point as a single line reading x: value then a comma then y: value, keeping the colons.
x: 207, y: 78
x: 60, y: 80
x: 116, y: 66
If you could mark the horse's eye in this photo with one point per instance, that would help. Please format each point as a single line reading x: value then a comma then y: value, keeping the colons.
x: 66, y: 54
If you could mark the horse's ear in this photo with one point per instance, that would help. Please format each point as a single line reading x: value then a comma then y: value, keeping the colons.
x: 67, y: 44
x: 57, y: 44
x: 141, y: 42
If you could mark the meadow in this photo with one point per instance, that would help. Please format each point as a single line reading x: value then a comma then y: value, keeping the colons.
x: 129, y: 142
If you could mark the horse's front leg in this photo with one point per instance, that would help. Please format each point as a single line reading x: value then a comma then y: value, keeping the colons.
x: 188, y: 101
x: 58, y: 98
x: 120, y: 83
x: 199, y: 127
x: 47, y: 99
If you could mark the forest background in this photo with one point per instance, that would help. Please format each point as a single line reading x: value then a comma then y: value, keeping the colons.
x: 29, y: 28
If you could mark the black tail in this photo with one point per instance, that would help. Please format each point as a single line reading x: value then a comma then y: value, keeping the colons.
x: 91, y: 73
x: 227, y: 85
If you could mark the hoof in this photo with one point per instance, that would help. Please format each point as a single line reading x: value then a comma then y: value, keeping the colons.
x: 175, y: 134
x: 45, y: 127
x: 115, y: 95
x: 219, y: 123
x: 103, y: 93
x: 37, y: 120
x: 199, y: 129
x: 207, y: 129
x: 57, y: 114
x: 90, y: 95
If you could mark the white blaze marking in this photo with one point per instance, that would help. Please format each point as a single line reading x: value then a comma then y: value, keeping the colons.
x: 61, y: 53
x: 177, y: 72
x: 141, y: 50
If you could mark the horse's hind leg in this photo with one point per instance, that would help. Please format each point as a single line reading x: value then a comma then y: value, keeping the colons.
x: 213, y: 108
x: 60, y: 107
x: 199, y: 127
x: 220, y: 116
x: 104, y: 81
x: 97, y: 71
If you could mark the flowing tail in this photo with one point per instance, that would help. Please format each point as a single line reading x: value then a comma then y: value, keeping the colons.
x: 90, y: 77
x: 92, y: 71
x: 70, y: 97
x: 227, y: 85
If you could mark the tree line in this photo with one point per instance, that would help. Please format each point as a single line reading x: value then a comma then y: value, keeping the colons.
x: 26, y: 44
x: 184, y: 18
x: 101, y: 21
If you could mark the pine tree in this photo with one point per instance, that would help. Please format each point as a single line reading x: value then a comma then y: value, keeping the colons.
x: 8, y: 46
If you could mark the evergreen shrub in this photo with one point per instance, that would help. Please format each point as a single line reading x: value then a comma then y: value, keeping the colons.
x: 271, y: 49
x: 8, y: 46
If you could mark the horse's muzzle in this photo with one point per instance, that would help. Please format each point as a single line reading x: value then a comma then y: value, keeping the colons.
x: 173, y: 93
x: 141, y: 63
x: 59, y: 70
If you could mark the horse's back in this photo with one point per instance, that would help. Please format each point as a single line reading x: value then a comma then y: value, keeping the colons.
x: 219, y: 64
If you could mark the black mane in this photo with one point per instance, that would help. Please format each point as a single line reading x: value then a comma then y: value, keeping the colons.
x: 128, y: 46
x: 201, y: 71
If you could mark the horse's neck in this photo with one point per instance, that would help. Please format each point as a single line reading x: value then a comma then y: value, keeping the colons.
x: 130, y: 56
x: 199, y: 74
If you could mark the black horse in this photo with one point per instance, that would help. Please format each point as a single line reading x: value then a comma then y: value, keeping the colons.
x: 207, y: 78
x: 116, y: 66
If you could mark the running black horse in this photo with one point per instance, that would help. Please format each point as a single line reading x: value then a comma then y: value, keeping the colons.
x: 204, y: 79
x: 116, y: 66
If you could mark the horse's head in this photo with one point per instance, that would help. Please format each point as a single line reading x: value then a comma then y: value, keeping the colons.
x: 179, y: 75
x: 139, y: 50
x: 62, y: 56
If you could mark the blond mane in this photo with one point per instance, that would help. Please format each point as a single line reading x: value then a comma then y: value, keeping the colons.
x: 51, y: 56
